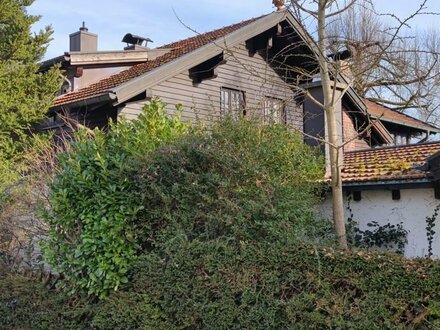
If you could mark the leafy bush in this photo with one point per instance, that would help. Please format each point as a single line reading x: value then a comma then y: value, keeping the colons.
x: 92, y: 200
x: 242, y: 182
x: 265, y: 285
x: 221, y: 236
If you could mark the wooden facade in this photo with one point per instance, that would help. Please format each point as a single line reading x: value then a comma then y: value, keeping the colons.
x: 251, y: 75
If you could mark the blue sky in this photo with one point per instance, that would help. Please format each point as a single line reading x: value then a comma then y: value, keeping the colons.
x: 111, y: 19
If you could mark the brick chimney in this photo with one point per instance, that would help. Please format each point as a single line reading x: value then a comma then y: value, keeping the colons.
x: 83, y: 40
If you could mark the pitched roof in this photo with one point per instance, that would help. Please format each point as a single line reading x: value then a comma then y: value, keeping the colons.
x: 393, y: 116
x: 388, y: 164
x: 178, y: 49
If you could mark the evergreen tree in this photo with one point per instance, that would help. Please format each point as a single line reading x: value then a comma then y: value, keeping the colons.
x: 25, y: 95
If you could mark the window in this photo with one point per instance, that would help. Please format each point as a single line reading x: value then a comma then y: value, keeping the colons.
x: 274, y: 111
x: 232, y: 103
x: 401, y: 139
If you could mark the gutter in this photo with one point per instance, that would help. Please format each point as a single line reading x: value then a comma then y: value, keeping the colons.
x: 388, y: 185
x: 103, y: 98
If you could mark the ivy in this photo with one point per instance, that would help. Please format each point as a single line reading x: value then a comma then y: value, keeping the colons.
x: 387, y: 236
x: 430, y: 232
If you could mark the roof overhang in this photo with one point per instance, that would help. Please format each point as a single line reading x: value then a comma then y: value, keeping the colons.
x: 46, y: 65
x: 103, y: 57
x: 146, y: 81
x: 424, y: 128
x: 115, y: 57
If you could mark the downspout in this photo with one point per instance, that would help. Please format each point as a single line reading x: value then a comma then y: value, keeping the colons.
x: 428, y: 133
x: 67, y: 80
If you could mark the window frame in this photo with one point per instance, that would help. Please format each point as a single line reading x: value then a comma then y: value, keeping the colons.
x: 232, y: 109
x: 268, y: 110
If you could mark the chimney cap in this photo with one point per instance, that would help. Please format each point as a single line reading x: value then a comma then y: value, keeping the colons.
x: 83, y: 27
x: 279, y: 4
x: 133, y: 39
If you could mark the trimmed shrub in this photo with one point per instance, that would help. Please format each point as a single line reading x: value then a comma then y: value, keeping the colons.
x: 92, y: 200
x: 28, y: 304
x: 207, y: 286
x: 128, y: 310
x: 270, y: 285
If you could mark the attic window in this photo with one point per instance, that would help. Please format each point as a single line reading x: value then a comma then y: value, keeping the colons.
x: 232, y: 103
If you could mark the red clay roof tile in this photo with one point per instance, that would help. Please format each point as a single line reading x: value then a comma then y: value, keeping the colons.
x: 387, y: 114
x: 389, y: 163
x: 179, y: 49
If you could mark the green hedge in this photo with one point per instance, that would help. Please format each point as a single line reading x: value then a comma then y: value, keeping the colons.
x: 27, y: 304
x: 201, y: 285
x: 264, y: 286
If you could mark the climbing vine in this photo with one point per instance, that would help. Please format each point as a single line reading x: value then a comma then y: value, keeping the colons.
x: 388, y: 236
x: 430, y: 232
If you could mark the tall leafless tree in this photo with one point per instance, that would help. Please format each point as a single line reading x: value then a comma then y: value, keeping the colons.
x: 390, y: 63
x: 373, y: 59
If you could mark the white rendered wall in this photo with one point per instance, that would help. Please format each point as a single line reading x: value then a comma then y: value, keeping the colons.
x: 412, y: 209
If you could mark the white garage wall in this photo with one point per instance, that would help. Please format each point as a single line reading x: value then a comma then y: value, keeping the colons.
x: 412, y: 209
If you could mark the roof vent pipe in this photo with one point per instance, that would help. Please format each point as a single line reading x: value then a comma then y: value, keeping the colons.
x: 83, y: 27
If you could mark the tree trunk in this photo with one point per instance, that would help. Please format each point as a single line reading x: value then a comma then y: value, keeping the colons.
x: 337, y: 193
x: 330, y: 93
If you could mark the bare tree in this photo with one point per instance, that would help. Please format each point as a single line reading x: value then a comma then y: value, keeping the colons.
x: 301, y: 61
x: 321, y: 11
x: 375, y: 56
x: 390, y: 63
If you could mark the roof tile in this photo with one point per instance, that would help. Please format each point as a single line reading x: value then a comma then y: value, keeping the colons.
x: 389, y: 163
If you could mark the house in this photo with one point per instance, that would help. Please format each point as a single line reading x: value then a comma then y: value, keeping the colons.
x: 246, y: 70
x: 392, y: 186
x: 402, y: 127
